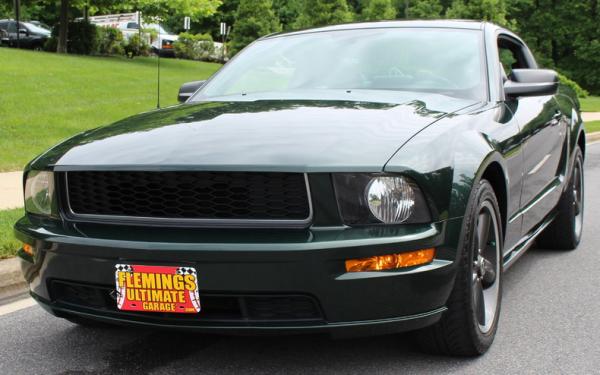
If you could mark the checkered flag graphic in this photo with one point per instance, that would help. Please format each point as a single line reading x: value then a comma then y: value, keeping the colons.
x: 124, y: 267
x: 186, y: 271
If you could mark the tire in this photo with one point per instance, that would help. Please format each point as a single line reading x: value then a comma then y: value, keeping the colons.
x: 564, y: 233
x: 466, y: 329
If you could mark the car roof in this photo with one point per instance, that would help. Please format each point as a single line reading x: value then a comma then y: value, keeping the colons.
x: 448, y: 24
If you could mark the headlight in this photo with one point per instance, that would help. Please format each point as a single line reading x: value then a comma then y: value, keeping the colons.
x: 369, y: 198
x: 391, y: 199
x: 39, y: 192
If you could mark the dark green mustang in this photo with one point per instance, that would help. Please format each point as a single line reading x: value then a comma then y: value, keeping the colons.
x: 355, y: 179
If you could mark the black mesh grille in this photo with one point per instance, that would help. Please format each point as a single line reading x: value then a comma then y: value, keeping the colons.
x: 214, y: 307
x: 189, y: 195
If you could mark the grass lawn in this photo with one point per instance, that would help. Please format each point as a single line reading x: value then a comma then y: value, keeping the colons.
x: 8, y: 244
x: 592, y: 126
x: 46, y: 97
x: 590, y: 104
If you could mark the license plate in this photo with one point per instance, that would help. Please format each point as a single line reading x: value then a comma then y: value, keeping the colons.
x: 164, y: 289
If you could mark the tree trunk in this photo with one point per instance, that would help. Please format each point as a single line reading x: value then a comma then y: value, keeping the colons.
x: 64, y: 27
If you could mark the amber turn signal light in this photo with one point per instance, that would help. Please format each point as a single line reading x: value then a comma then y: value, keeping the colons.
x: 28, y: 249
x: 390, y: 261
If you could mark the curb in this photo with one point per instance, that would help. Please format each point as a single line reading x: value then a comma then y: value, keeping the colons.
x: 12, y: 283
x: 592, y: 137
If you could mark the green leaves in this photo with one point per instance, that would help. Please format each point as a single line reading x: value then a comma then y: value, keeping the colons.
x: 379, y: 10
x: 195, y: 9
x: 563, y: 35
x: 323, y: 12
x: 254, y: 18
x: 487, y: 10
x: 424, y: 9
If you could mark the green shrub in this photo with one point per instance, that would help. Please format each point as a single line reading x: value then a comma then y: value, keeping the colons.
x: 51, y: 44
x: 109, y: 41
x: 194, y: 46
x: 581, y: 93
x: 135, y: 46
x: 81, y: 38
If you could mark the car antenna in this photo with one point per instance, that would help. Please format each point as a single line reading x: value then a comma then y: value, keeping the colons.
x: 158, y: 68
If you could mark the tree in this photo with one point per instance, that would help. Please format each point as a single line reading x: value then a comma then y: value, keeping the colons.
x: 379, y: 10
x: 253, y: 19
x: 323, y: 12
x: 424, y: 9
x: 195, y: 9
x: 210, y: 24
x: 563, y: 35
x: 486, y: 10
x: 287, y: 11
x: 6, y: 10
x: 64, y: 27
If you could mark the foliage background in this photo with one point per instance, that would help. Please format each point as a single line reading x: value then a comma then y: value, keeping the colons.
x: 564, y: 35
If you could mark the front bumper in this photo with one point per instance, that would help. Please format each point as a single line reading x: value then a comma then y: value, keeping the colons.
x: 240, y: 265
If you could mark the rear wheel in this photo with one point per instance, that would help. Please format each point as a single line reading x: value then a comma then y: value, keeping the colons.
x: 469, y: 325
x: 565, y: 231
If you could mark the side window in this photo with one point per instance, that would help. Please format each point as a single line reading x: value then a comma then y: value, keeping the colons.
x: 507, y: 59
x: 132, y: 25
x: 511, y: 55
x: 12, y: 27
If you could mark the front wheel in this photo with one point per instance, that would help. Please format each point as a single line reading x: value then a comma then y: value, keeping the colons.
x: 469, y: 325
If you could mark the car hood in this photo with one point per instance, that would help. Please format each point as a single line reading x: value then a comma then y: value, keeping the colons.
x: 265, y: 135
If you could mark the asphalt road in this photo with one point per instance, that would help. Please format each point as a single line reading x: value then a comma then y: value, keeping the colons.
x: 550, y: 324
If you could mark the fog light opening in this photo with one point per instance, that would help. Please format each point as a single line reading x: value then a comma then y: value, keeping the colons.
x: 391, y: 261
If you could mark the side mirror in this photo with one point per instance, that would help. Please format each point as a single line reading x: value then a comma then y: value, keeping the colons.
x: 531, y: 82
x: 188, y: 89
x: 24, y: 31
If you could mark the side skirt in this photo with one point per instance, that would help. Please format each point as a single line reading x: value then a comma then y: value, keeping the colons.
x: 525, y: 243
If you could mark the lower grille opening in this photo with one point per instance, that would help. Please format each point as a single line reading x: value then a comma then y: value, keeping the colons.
x: 215, y: 308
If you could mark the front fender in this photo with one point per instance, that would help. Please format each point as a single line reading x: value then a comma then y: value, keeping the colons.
x: 448, y: 158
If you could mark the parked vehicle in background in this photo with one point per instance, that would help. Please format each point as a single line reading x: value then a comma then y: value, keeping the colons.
x: 29, y: 35
x: 159, y: 39
x: 3, y: 37
x: 41, y: 24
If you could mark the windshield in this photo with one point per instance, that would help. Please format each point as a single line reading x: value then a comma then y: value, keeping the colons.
x: 36, y: 29
x: 444, y: 61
